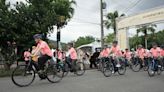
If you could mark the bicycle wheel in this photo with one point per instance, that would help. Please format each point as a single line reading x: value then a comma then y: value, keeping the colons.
x: 122, y: 68
x: 159, y: 70
x: 101, y: 64
x: 66, y: 70
x: 136, y: 66
x: 80, y: 68
x: 22, y: 77
x: 150, y: 70
x: 54, y: 75
x: 108, y: 68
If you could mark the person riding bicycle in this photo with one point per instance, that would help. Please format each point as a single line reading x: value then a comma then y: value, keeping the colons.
x: 106, y: 51
x: 59, y: 55
x: 127, y: 55
x: 156, y: 53
x: 162, y: 51
x: 104, y: 54
x: 116, y: 51
x: 27, y: 55
x: 71, y: 57
x: 44, y: 49
x: 141, y: 53
x: 162, y: 55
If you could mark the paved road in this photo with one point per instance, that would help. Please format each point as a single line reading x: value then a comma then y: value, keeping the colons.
x: 93, y: 81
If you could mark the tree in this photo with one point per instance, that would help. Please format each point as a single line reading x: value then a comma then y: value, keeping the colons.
x: 134, y: 41
x: 145, y: 30
x: 111, y: 21
x: 84, y: 40
x: 20, y: 23
x: 110, y: 38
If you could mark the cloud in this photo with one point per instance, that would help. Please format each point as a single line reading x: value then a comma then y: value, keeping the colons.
x: 86, y: 19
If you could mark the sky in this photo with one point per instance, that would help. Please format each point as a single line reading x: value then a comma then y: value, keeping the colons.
x: 86, y: 20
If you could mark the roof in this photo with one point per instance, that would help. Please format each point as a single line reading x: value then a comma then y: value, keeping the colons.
x: 93, y: 44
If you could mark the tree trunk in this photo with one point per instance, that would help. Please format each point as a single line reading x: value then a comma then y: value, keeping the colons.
x: 115, y: 31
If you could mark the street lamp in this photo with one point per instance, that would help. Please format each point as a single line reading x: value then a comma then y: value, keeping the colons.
x: 60, y: 23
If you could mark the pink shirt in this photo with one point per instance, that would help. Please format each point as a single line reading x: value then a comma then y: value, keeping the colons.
x: 127, y: 55
x: 116, y: 50
x: 73, y: 54
x: 162, y: 53
x: 45, y: 49
x: 155, y: 52
x: 60, y: 55
x: 101, y: 53
x: 141, y: 53
x: 26, y: 55
x: 106, y: 52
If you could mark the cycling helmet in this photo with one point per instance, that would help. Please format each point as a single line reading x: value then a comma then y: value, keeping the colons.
x: 37, y: 36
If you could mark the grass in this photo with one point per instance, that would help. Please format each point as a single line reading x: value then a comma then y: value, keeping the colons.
x: 7, y: 73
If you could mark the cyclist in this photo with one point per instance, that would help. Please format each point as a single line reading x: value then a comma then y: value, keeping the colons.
x: 141, y: 53
x: 71, y: 57
x: 59, y: 55
x: 156, y: 53
x: 162, y: 50
x: 106, y: 51
x: 127, y: 55
x: 115, y: 50
x: 27, y: 55
x: 162, y: 55
x: 44, y: 49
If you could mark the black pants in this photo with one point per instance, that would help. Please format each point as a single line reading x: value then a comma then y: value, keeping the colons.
x: 71, y: 63
x: 93, y: 62
x: 42, y: 60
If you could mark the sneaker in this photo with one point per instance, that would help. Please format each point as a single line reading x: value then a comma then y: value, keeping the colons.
x: 152, y: 72
x: 159, y: 66
x: 27, y: 72
x: 113, y: 72
x: 118, y: 65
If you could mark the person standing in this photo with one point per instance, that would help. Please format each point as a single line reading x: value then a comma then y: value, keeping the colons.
x: 93, y: 59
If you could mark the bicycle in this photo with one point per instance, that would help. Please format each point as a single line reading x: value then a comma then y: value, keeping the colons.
x: 100, y: 64
x: 154, y: 67
x: 24, y: 75
x: 79, y: 68
x: 162, y: 61
x: 136, y: 64
x: 110, y: 67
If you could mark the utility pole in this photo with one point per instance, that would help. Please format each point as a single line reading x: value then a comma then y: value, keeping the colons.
x: 102, y: 28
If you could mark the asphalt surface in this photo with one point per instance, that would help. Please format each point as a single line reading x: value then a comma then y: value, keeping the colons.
x: 93, y: 81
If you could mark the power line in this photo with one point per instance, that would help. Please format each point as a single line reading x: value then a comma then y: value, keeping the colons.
x: 132, y: 6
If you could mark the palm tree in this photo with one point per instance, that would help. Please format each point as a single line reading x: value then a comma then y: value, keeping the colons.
x: 111, y: 21
x: 67, y: 12
x: 145, y: 30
